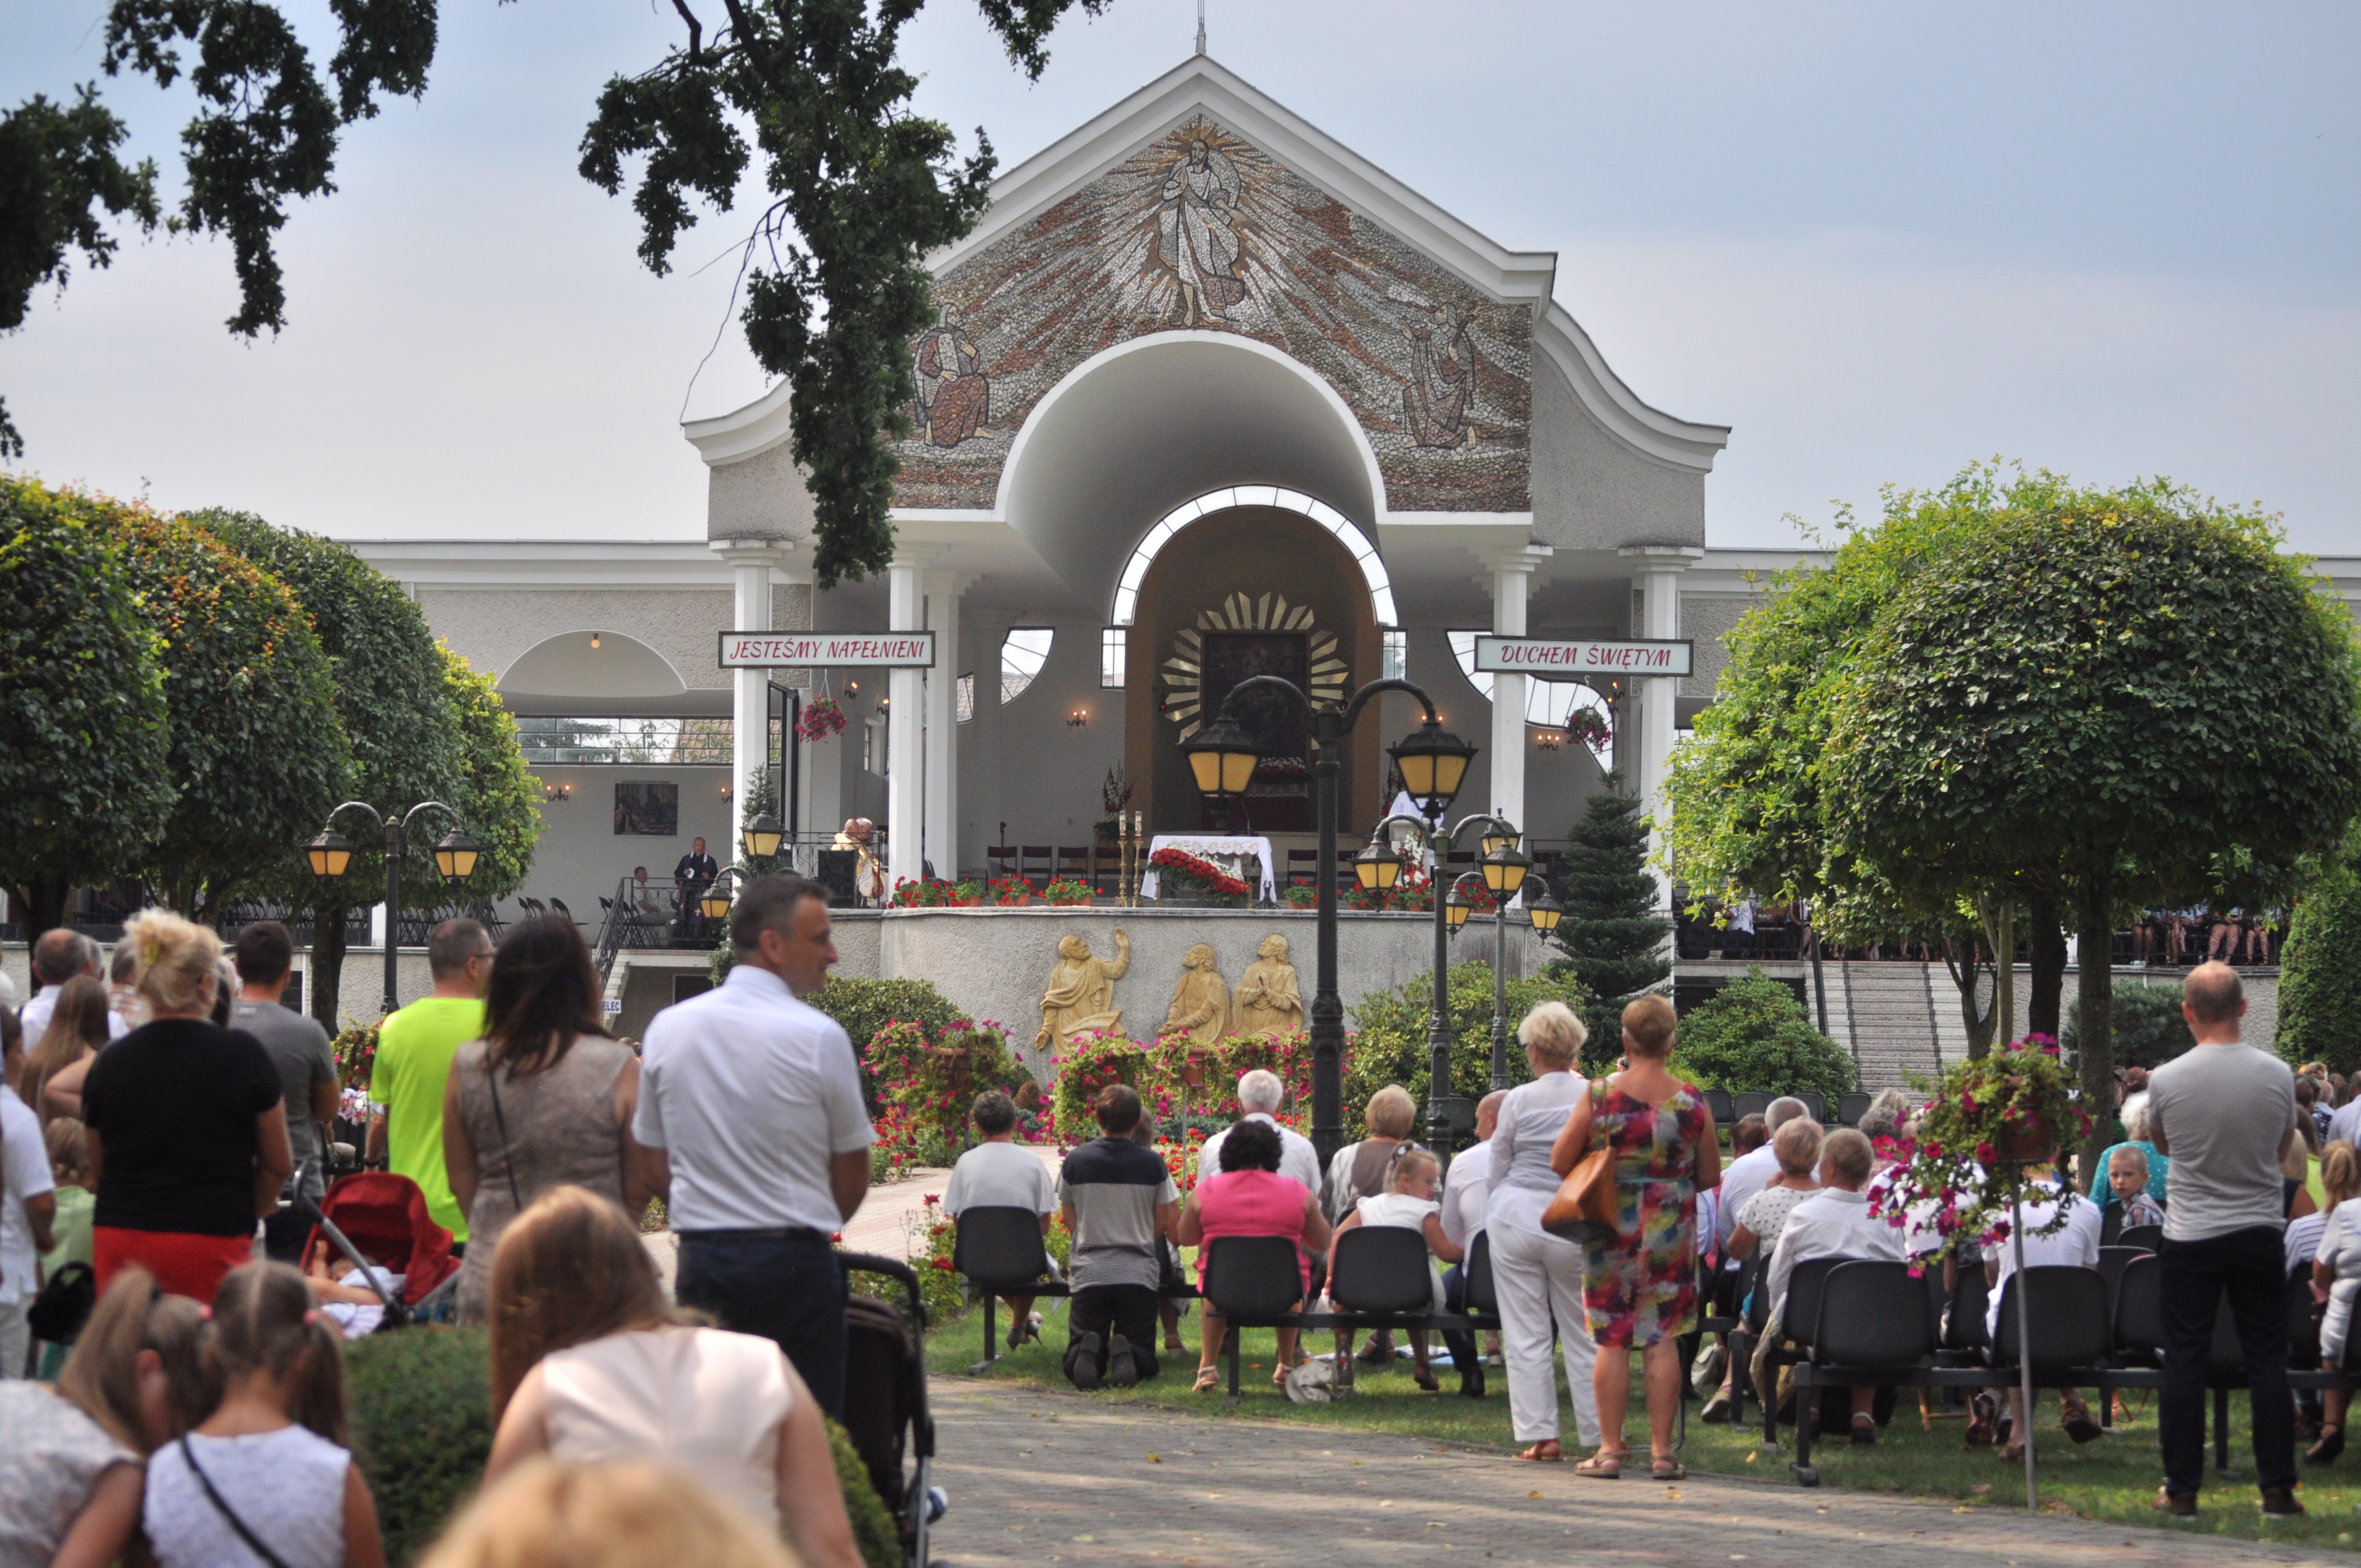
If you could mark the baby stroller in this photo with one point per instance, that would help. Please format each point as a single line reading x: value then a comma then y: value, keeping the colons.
x: 885, y: 1413
x: 384, y: 1216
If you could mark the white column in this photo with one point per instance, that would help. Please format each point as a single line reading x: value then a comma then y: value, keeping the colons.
x: 1512, y: 573
x: 942, y: 845
x: 905, y: 756
x: 750, y: 561
x: 1656, y: 573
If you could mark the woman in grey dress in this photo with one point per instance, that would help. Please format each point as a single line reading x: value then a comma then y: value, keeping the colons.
x: 544, y: 1099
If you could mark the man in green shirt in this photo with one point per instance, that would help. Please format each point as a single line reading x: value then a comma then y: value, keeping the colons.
x: 414, y: 1047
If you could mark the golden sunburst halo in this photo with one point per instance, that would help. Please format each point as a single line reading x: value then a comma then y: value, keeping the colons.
x: 1184, y: 672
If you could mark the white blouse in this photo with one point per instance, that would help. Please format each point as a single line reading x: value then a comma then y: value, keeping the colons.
x: 1531, y: 1119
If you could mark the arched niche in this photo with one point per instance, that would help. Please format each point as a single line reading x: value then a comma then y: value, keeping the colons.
x: 568, y: 667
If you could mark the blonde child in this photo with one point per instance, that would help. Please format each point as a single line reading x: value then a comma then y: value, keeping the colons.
x: 2127, y: 1176
x: 1408, y: 1203
x: 270, y: 1463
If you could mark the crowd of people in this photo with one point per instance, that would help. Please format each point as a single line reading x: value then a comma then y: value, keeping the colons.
x: 2237, y: 1161
x: 164, y: 1136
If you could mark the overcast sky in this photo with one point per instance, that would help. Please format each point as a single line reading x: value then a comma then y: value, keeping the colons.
x: 1876, y: 240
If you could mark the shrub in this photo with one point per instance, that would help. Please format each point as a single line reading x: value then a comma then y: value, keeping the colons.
x: 933, y: 1081
x: 2149, y: 1028
x: 865, y: 1007
x: 2319, y: 986
x: 1753, y: 1035
x: 421, y: 1426
x: 1391, y: 1044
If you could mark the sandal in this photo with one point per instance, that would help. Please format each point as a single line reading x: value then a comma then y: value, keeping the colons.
x: 1545, y: 1452
x: 1424, y: 1378
x: 2079, y: 1425
x: 1668, y: 1470
x: 1209, y: 1378
x: 2331, y: 1445
x: 1607, y: 1464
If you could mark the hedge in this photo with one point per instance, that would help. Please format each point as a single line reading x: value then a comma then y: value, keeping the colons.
x: 1753, y: 1035
x: 421, y: 1408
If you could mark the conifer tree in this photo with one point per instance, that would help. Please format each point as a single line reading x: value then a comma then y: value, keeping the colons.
x: 1611, y: 930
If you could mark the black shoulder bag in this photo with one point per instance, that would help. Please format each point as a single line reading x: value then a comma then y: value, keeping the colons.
x: 253, y: 1542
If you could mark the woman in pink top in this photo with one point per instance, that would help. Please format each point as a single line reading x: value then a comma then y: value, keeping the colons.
x: 1249, y: 1197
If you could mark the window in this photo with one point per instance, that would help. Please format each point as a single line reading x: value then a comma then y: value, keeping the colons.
x: 872, y: 744
x: 1021, y: 658
x: 1395, y: 664
x: 1111, y: 644
x: 1547, y: 703
x: 624, y: 740
x: 966, y: 699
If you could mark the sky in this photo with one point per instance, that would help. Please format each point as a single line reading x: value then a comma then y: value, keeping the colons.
x: 1877, y: 241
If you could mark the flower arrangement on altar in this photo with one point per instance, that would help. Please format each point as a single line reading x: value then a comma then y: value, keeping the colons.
x: 1010, y: 890
x: 1413, y: 891
x: 822, y: 719
x: 933, y: 893
x: 1068, y: 890
x: 1989, y: 1120
x: 1196, y: 874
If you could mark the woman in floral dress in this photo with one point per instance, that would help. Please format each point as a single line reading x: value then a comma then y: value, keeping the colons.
x: 1640, y: 1288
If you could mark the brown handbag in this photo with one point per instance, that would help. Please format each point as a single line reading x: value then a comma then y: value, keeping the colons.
x: 1586, y: 1208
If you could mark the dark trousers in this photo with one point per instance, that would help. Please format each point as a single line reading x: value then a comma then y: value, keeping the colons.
x: 1110, y: 1310
x: 789, y: 1289
x: 2250, y: 1265
x: 1461, y: 1343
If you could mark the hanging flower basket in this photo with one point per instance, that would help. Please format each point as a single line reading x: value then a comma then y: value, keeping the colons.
x: 821, y: 719
x: 1988, y: 1121
x: 1589, y: 725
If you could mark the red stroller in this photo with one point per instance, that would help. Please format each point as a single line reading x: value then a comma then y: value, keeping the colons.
x: 384, y: 1216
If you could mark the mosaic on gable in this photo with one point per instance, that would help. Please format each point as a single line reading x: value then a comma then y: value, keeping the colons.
x: 1202, y: 231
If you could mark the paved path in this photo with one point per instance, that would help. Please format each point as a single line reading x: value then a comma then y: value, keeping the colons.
x: 1038, y: 1477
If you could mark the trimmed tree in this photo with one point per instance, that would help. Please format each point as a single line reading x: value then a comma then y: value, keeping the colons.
x: 397, y: 720
x: 83, y: 780
x: 495, y: 795
x: 256, y: 746
x: 2319, y: 986
x: 2127, y: 691
x: 1613, y: 937
x: 1752, y: 1034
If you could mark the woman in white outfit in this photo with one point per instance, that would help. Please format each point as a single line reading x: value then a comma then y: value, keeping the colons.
x: 1538, y: 1276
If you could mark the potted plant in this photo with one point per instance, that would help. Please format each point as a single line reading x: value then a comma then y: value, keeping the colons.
x: 821, y: 719
x: 1067, y: 891
x: 1011, y: 891
x: 1301, y: 896
x: 1184, y: 879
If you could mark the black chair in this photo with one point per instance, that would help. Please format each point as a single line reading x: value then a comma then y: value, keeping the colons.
x: 1752, y: 1102
x: 1724, y: 1116
x: 1799, y: 1315
x: 1816, y: 1103
x: 1964, y: 1334
x: 1251, y: 1279
x: 2139, y: 1309
x: 1852, y: 1106
x: 998, y: 1250
x: 2066, y: 1309
x: 1381, y: 1269
x: 2111, y: 1225
x: 2302, y: 1324
x: 1481, y: 1296
x: 837, y: 868
x: 2147, y: 1238
x: 558, y: 907
x: 1870, y: 1319
x: 2112, y: 1261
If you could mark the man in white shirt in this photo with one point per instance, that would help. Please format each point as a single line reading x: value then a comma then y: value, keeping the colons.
x: 1000, y: 1173
x: 751, y: 1098
x: 1465, y: 1188
x: 1756, y: 1164
x: 1835, y: 1222
x: 27, y: 1203
x: 58, y: 957
x: 2225, y: 1112
x: 1260, y: 1094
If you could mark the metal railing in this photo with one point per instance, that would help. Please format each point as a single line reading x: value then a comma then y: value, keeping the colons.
x: 648, y: 915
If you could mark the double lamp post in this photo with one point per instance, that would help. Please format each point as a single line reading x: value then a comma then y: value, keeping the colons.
x: 1432, y: 762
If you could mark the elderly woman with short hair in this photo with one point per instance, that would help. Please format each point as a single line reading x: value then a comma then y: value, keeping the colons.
x: 1538, y: 1276
x: 2133, y: 1114
x: 1641, y: 1286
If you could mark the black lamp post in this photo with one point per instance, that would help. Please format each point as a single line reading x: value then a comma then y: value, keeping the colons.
x: 331, y: 853
x: 1223, y: 758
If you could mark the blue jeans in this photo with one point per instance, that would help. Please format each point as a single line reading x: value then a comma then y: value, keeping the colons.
x: 789, y: 1290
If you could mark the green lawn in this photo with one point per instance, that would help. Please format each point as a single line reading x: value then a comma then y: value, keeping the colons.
x: 2112, y: 1479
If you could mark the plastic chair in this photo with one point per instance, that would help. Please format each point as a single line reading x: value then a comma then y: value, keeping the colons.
x: 1752, y: 1102
x: 998, y: 1250
x: 2112, y: 1262
x: 2139, y: 1309
x: 2147, y: 1238
x: 1250, y: 1280
x: 1381, y: 1269
x: 1868, y: 1314
x: 1799, y: 1316
x: 1482, y: 1298
x: 1963, y: 1327
x: 2067, y: 1310
x: 1717, y: 1102
x: 1816, y: 1103
x: 1852, y: 1106
x: 558, y: 907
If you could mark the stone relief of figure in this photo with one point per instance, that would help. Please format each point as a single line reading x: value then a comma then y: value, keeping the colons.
x: 954, y: 394
x: 1195, y: 232
x: 1442, y: 382
x: 1201, y: 1000
x: 1081, y: 991
x: 1270, y: 1000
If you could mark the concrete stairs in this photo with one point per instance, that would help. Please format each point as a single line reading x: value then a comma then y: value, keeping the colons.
x: 1891, y: 1021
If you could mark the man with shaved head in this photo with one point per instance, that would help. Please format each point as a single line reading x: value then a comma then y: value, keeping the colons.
x: 1464, y: 1189
x: 2227, y: 1113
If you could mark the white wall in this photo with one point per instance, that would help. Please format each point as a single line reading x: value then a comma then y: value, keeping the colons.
x: 581, y: 856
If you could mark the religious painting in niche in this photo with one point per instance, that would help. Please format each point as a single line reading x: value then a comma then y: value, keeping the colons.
x: 647, y: 809
x: 1201, y: 230
x: 1244, y: 638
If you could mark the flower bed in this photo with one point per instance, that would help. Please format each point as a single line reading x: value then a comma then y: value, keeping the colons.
x: 927, y: 1083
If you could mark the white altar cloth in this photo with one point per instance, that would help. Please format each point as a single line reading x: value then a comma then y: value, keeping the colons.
x: 1206, y: 845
